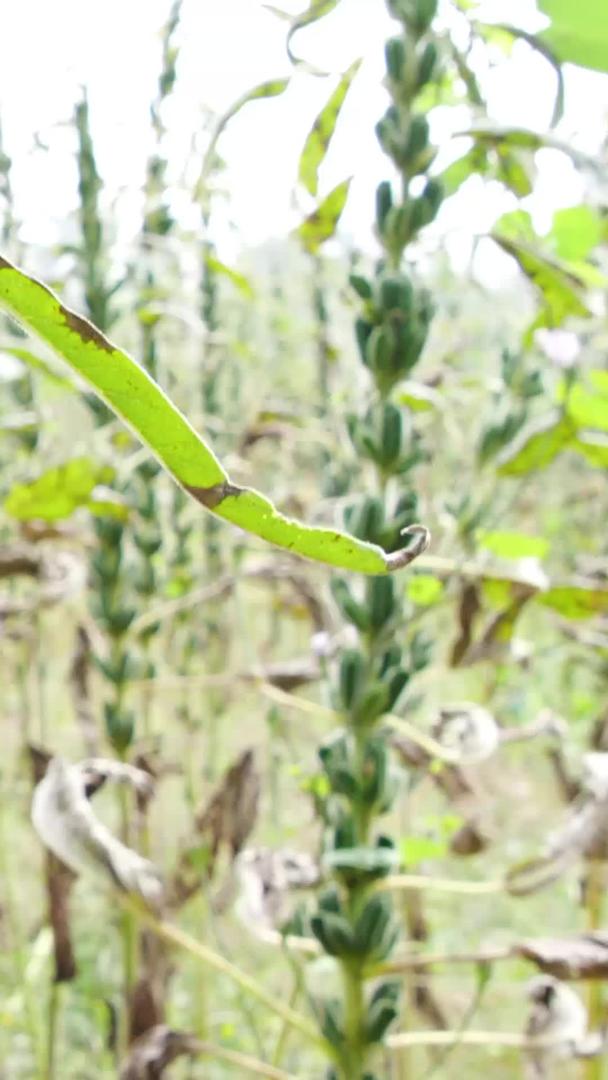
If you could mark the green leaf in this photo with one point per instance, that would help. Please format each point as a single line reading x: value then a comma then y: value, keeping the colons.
x: 560, y: 287
x: 323, y: 222
x: 594, y: 447
x: 578, y: 32
x: 473, y: 163
x: 315, y: 10
x: 575, y: 231
x: 138, y: 400
x: 535, y: 446
x: 576, y: 601
x: 319, y: 138
x: 239, y: 281
x: 418, y: 396
x: 424, y: 589
x: 418, y: 849
x: 270, y: 88
x: 60, y: 491
x: 36, y: 364
x: 513, y: 545
x: 586, y: 409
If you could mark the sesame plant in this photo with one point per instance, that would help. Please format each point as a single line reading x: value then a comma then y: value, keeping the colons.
x: 224, y: 701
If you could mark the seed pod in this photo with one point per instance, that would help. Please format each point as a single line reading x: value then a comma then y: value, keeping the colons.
x: 361, y: 286
x: 425, y: 11
x: 396, y: 293
x: 384, y: 202
x: 380, y: 350
x: 427, y: 64
x: 353, y: 676
x: 379, y: 1019
x: 371, y: 925
x: 354, y: 612
x: 363, y: 329
x: 367, y: 520
x: 333, y: 932
x: 372, y: 704
x: 381, y: 601
x: 391, y: 438
x: 394, y: 52
x: 120, y: 726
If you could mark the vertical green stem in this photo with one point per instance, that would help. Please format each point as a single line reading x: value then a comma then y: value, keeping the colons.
x: 594, y: 904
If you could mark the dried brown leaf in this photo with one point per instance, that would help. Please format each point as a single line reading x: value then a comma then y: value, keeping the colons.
x: 580, y: 956
x: 64, y: 820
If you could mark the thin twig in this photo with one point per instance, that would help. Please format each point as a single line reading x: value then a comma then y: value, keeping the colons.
x: 203, y: 953
x: 420, y: 960
x: 419, y: 881
x: 403, y: 1039
x: 243, y: 1061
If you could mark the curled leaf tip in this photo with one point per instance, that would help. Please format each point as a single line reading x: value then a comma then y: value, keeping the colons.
x: 421, y: 539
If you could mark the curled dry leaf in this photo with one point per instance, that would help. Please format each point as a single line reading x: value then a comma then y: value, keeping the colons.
x: 225, y: 821
x: 556, y: 1013
x: 150, y: 1055
x: 473, y: 835
x: 64, y: 820
x: 59, y: 880
x: 583, y: 835
x: 468, y: 729
x: 580, y: 956
x: 266, y: 880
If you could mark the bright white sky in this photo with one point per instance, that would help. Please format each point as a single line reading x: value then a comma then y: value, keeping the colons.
x: 47, y: 51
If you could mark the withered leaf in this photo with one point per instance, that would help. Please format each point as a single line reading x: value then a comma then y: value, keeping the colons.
x: 150, y: 1055
x: 579, y: 956
x: 225, y: 821
x: 64, y: 820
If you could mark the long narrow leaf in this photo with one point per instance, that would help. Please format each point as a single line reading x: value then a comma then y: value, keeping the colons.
x: 139, y: 401
x: 318, y: 140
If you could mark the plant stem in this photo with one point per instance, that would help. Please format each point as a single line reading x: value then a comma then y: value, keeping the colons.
x: 594, y: 896
x: 207, y: 956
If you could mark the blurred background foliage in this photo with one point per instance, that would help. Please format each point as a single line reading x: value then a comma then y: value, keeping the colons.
x: 134, y: 625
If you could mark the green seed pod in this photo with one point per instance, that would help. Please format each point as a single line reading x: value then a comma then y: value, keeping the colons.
x: 106, y: 564
x: 361, y: 286
x: 384, y: 202
x: 391, y: 435
x: 353, y: 675
x: 398, y: 227
x: 416, y: 139
x: 433, y: 194
x: 118, y: 622
x: 425, y: 11
x: 329, y: 900
x: 381, y: 601
x: 396, y: 294
x: 396, y: 686
x: 380, y: 350
x: 333, y: 932
x: 331, y: 1023
x: 394, y: 52
x: 108, y: 530
x: 371, y: 926
x: 427, y: 64
x: 372, y: 705
x: 354, y: 612
x: 367, y: 520
x: 378, y: 1021
x: 363, y: 330
x: 149, y: 470
x: 120, y: 726
x: 375, y: 771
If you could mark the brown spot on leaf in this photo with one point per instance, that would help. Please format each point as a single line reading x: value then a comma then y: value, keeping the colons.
x: 86, y: 331
x: 214, y: 495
